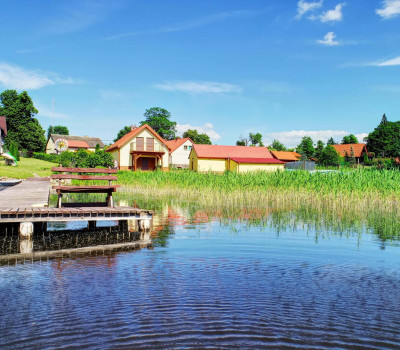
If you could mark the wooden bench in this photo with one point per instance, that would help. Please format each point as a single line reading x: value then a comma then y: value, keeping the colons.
x: 81, y: 174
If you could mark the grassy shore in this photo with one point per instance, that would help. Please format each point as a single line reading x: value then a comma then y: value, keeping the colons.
x: 27, y: 167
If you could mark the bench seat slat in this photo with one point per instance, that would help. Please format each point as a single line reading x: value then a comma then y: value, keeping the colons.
x: 85, y: 170
x: 84, y: 177
x: 86, y: 189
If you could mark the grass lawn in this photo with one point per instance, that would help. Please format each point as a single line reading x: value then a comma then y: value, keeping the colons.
x: 27, y: 167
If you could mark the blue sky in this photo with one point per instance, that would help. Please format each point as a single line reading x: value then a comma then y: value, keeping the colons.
x: 282, y: 68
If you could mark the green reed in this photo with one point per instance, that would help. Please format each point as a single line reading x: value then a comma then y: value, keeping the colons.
x: 361, y: 182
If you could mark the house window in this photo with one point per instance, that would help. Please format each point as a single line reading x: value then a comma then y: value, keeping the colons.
x: 187, y: 148
x: 149, y: 144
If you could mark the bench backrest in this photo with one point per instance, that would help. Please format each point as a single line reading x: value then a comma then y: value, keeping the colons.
x: 73, y: 174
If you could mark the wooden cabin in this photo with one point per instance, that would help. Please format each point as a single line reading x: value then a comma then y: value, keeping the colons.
x: 140, y: 149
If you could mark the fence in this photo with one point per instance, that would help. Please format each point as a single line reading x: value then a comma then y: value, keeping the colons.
x: 301, y: 165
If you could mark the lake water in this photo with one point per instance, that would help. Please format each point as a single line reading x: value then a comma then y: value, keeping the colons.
x: 212, y: 282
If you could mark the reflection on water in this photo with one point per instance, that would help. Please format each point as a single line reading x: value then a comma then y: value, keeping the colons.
x: 218, y: 278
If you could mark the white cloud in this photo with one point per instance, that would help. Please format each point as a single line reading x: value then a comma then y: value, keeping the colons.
x: 293, y: 138
x: 389, y: 9
x: 199, y: 87
x: 305, y: 6
x: 14, y: 77
x: 110, y: 94
x: 47, y: 113
x: 194, y: 23
x: 207, y: 128
x: 392, y: 62
x: 329, y: 40
x: 334, y: 15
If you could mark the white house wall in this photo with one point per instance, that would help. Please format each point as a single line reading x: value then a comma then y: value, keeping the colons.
x: 180, y: 157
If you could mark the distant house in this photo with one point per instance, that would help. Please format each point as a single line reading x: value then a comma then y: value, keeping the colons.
x: 359, y: 150
x: 140, y: 149
x: 3, y: 132
x: 179, y: 151
x: 286, y: 157
x: 74, y: 143
x: 204, y: 158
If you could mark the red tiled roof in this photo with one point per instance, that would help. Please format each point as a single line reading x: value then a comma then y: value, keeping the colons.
x: 3, y: 125
x: 358, y: 148
x: 216, y: 151
x: 131, y: 134
x: 257, y: 160
x: 77, y: 144
x: 173, y: 145
x: 283, y: 155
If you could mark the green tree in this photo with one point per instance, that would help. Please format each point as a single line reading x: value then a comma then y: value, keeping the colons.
x: 194, y: 135
x: 306, y: 147
x: 13, y: 150
x: 58, y: 129
x: 331, y: 142
x: 329, y: 156
x: 349, y: 139
x: 256, y: 139
x: 319, y: 149
x: 384, y: 119
x: 23, y: 128
x: 159, y: 119
x: 243, y: 141
x: 277, y: 146
x: 384, y: 141
x: 352, y: 158
x: 122, y: 132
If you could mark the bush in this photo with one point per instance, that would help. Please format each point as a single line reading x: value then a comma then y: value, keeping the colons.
x: 384, y: 163
x: 53, y: 158
x: 80, y: 159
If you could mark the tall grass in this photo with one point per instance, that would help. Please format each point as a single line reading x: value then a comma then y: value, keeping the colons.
x: 362, y: 182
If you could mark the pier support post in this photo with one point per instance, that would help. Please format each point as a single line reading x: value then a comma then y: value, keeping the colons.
x: 92, y: 225
x: 26, y: 230
x: 144, y: 223
x: 132, y: 226
x: 25, y: 246
x: 123, y: 225
x: 40, y: 227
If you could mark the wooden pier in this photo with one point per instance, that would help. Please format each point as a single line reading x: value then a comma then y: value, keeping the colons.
x: 9, y: 215
x: 27, y: 205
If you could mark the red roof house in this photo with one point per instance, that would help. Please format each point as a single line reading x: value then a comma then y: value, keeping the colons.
x: 358, y: 148
x: 217, y: 158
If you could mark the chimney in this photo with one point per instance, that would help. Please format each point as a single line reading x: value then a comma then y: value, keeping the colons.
x: 133, y: 127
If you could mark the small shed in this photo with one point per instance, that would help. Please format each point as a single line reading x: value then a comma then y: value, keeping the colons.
x: 286, y: 156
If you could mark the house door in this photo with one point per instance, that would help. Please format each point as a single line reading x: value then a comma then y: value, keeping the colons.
x: 147, y: 163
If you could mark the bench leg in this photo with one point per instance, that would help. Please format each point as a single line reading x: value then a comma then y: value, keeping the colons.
x: 59, y: 200
x: 109, y: 200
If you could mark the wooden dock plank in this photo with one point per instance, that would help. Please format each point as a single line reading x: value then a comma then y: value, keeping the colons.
x: 33, y: 192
